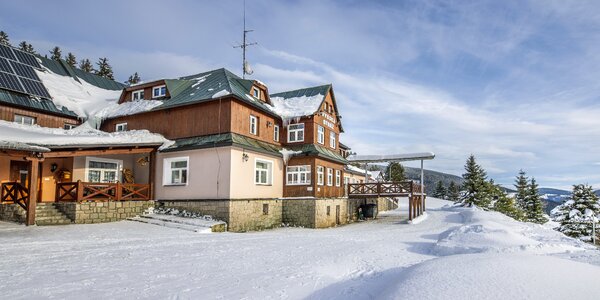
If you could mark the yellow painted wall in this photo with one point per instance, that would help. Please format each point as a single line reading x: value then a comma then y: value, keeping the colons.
x: 242, y: 176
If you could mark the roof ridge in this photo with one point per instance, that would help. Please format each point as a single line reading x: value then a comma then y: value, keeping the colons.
x: 306, y: 88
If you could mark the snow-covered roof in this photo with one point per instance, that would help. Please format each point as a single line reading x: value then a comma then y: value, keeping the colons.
x: 84, y: 136
x: 299, y: 103
x: 357, y: 170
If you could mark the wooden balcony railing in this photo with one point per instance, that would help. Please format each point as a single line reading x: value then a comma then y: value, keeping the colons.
x: 384, y: 189
x: 87, y: 191
x: 14, y: 192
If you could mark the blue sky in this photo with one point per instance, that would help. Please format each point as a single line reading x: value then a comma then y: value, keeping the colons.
x: 514, y: 82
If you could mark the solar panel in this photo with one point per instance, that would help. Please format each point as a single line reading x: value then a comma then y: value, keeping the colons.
x: 6, y: 52
x: 10, y: 82
x: 35, y: 88
x: 4, y: 67
x: 24, y: 70
x: 27, y: 58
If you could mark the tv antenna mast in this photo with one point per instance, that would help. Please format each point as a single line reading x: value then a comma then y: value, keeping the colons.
x: 245, y: 65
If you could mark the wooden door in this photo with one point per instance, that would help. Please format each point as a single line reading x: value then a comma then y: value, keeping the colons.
x: 337, y: 215
x: 19, y: 172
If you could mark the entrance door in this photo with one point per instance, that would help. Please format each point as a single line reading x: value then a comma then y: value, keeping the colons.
x: 19, y: 172
x: 337, y: 215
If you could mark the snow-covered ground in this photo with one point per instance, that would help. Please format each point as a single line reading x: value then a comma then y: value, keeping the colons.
x: 455, y: 253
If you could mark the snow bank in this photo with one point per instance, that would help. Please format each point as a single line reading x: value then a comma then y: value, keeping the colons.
x: 490, y: 276
x: 126, y: 108
x: 494, y: 232
x: 296, y: 106
x: 80, y: 136
x: 80, y: 97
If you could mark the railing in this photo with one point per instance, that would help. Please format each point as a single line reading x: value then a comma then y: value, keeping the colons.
x: 383, y: 189
x: 87, y: 191
x: 14, y: 192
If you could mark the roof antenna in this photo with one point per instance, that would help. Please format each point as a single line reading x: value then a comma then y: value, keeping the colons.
x: 245, y: 65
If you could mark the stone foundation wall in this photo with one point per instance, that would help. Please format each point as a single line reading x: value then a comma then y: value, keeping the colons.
x: 250, y: 215
x: 218, y: 209
x: 12, y: 213
x: 102, y: 212
x: 383, y: 204
x: 331, y: 212
x: 299, y: 212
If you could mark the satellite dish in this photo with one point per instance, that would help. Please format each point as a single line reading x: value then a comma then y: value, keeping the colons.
x: 247, y: 69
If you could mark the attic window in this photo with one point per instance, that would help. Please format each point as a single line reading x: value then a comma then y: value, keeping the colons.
x: 256, y: 92
x: 137, y: 95
x: 159, y: 91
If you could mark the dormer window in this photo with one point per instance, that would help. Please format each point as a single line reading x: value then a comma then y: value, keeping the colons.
x: 159, y: 91
x: 137, y: 95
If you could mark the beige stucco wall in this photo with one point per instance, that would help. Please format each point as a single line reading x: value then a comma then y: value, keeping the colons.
x: 141, y: 173
x: 208, y: 175
x: 242, y: 176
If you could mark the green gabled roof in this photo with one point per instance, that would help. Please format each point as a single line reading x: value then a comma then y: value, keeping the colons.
x: 26, y: 102
x: 64, y: 69
x: 222, y: 140
x: 308, y: 92
x: 316, y: 150
x: 202, y: 87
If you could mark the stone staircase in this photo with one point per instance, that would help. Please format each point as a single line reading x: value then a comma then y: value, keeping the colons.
x: 188, y: 224
x: 48, y: 214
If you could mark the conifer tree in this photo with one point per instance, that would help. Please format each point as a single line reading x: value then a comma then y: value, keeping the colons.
x: 4, y: 40
x: 71, y: 60
x: 104, y: 68
x: 576, y: 215
x: 522, y: 189
x: 133, y: 79
x: 24, y: 46
x: 440, y: 190
x: 56, y: 53
x: 475, y: 185
x: 534, y: 207
x: 505, y: 204
x: 453, y: 193
x: 395, y: 172
x: 86, y: 65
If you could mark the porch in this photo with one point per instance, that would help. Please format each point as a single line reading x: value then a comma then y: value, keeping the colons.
x: 409, y: 188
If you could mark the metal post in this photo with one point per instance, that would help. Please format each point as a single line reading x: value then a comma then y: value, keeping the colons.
x: 422, y: 188
x: 594, y: 230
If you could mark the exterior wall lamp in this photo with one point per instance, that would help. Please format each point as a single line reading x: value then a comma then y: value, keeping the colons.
x: 245, y: 156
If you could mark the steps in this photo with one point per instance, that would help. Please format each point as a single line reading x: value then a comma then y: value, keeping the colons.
x: 188, y: 224
x: 48, y: 214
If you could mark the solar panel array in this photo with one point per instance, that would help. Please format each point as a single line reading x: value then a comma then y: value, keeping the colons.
x: 17, y: 72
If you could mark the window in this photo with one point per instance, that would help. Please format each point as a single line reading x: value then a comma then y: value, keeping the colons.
x: 175, y: 170
x: 298, y: 175
x: 265, y: 209
x: 296, y: 132
x: 158, y: 91
x: 320, y: 175
x: 256, y: 92
x: 137, y: 95
x: 276, y: 133
x: 253, y: 125
x: 328, y: 210
x: 329, y: 176
x: 338, y: 178
x: 68, y: 126
x: 262, y: 172
x: 25, y: 120
x: 121, y: 127
x: 320, y: 134
x: 103, y: 170
x: 332, y: 140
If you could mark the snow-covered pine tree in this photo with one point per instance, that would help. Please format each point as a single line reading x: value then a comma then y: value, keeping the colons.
x: 534, y: 207
x: 24, y: 46
x: 395, y: 172
x: 71, y: 59
x: 475, y: 185
x: 521, y: 184
x: 133, y: 79
x: 576, y: 214
x: 4, y: 40
x: 453, y: 193
x: 104, y: 68
x: 86, y: 65
x: 56, y: 53
x: 440, y: 190
x: 505, y: 204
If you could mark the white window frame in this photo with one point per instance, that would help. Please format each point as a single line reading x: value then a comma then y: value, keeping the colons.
x: 256, y: 93
x: 276, y: 133
x: 159, y: 88
x: 329, y: 177
x: 140, y: 94
x: 68, y: 126
x: 320, y: 134
x: 297, y: 172
x: 119, y: 169
x: 253, y: 125
x: 294, y: 132
x: 32, y: 120
x: 338, y: 178
x: 332, y: 139
x: 269, y: 171
x: 168, y: 171
x: 320, y: 175
x: 120, y: 127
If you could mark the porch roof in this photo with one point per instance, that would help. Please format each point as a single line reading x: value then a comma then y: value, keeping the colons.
x: 223, y: 140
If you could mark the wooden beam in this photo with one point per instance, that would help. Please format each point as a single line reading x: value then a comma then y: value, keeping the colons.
x: 152, y: 175
x: 33, y: 188
x: 97, y: 152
